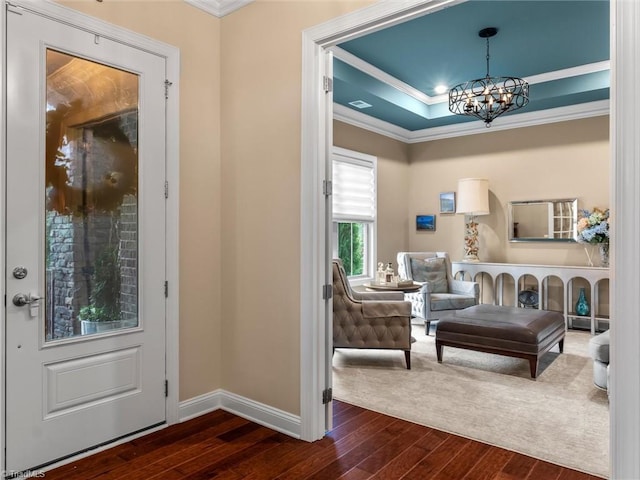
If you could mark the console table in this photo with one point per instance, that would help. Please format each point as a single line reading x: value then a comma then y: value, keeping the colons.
x: 540, y: 275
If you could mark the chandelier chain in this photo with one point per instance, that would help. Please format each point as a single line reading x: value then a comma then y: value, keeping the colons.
x: 487, y: 57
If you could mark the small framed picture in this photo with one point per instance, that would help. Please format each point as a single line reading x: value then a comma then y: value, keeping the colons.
x: 448, y: 202
x: 426, y: 223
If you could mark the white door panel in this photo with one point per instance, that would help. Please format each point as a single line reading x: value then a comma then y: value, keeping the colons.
x: 85, y: 209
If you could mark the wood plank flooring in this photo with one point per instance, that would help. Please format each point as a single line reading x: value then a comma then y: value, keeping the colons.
x: 362, y: 445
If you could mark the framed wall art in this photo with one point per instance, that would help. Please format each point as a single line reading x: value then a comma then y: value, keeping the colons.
x: 426, y: 223
x: 448, y: 202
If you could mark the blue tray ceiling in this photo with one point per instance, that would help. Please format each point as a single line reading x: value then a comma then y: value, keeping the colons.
x: 443, y: 48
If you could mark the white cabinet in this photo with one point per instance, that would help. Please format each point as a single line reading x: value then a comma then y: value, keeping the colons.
x: 557, y: 287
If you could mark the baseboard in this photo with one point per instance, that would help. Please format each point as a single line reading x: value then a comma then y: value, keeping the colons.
x: 257, y: 412
x: 196, y: 406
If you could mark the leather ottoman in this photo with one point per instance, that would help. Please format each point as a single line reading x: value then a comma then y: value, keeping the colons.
x: 514, y: 332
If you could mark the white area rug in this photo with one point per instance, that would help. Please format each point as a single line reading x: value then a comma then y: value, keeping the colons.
x: 560, y: 417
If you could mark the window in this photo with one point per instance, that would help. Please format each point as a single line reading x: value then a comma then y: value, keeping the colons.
x: 354, y: 212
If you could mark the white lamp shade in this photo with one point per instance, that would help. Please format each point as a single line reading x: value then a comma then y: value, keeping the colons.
x: 473, y: 196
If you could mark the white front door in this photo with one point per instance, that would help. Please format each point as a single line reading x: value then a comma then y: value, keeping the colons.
x: 85, y: 225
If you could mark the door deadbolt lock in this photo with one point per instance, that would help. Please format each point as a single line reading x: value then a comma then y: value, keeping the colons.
x: 20, y: 272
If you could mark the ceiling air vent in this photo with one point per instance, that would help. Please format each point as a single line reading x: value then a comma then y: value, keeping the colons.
x: 360, y: 104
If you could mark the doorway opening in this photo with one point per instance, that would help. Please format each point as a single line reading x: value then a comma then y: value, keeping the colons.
x: 315, y: 147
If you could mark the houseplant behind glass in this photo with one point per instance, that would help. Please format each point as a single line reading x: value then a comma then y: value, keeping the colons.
x: 103, y: 312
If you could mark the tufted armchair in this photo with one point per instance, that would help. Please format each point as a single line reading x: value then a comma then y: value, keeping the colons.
x: 380, y: 320
x: 440, y: 292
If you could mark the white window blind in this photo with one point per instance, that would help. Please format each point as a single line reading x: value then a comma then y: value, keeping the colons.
x: 354, y: 189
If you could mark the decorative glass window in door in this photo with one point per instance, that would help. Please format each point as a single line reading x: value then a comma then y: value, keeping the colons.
x: 91, y: 192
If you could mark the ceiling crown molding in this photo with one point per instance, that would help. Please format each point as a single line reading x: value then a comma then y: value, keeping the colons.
x: 529, y: 119
x: 358, y: 119
x: 384, y: 77
x: 219, y: 8
x: 416, y: 94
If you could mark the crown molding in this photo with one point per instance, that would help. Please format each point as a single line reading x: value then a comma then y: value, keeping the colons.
x: 520, y: 120
x: 366, y: 122
x: 569, y: 72
x: 384, y: 77
x: 218, y: 8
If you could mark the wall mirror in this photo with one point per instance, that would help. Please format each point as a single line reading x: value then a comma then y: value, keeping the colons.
x: 543, y: 220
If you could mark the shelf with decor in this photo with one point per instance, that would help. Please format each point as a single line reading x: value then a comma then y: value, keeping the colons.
x: 549, y: 287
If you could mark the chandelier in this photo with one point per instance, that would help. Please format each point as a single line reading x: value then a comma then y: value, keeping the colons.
x: 489, y: 97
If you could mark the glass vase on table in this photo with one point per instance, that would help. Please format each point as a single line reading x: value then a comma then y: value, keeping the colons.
x: 582, y: 305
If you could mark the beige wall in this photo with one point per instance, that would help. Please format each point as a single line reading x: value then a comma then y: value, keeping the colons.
x: 261, y: 111
x: 393, y: 185
x: 197, y: 35
x: 239, y: 313
x: 559, y: 160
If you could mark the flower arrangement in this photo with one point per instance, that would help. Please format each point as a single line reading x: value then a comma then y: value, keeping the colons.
x: 593, y: 227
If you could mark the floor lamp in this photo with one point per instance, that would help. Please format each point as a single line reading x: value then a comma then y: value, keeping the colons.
x: 472, y: 201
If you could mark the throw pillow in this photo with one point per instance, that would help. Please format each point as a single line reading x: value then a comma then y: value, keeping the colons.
x: 432, y: 270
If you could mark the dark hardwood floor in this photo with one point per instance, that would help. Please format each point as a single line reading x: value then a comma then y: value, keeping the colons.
x: 363, y: 444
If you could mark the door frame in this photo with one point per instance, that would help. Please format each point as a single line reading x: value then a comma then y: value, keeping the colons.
x: 172, y: 58
x: 624, y: 182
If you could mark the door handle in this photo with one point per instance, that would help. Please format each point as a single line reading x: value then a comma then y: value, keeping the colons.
x: 22, y: 299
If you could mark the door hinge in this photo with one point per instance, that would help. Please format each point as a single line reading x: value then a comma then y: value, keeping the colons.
x: 327, y: 292
x: 327, y: 396
x: 166, y: 289
x: 167, y: 84
x: 327, y: 84
x: 166, y: 189
x: 166, y: 388
x: 327, y: 187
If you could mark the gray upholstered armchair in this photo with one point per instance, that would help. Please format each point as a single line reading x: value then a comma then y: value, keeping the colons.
x: 440, y: 292
x: 599, y: 350
x: 380, y: 320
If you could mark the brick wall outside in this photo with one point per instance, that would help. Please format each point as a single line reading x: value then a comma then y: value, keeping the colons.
x: 74, y: 242
x: 129, y: 257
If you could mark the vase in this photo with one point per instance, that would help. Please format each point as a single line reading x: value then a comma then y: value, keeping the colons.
x: 588, y: 250
x: 604, y: 254
x: 582, y: 306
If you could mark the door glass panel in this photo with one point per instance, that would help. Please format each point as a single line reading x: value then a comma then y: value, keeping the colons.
x: 91, y: 185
